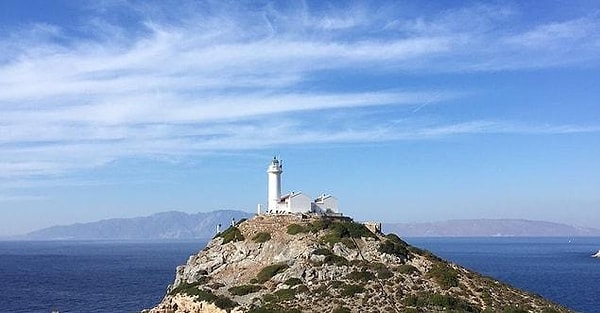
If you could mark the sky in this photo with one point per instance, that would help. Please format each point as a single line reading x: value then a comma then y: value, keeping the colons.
x: 406, y: 111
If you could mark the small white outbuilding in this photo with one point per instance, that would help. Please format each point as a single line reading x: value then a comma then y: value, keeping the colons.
x: 326, y: 204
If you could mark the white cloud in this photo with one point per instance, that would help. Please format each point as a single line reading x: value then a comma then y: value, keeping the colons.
x: 231, y: 80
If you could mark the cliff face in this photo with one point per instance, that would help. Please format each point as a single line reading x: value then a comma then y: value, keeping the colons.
x: 295, y: 264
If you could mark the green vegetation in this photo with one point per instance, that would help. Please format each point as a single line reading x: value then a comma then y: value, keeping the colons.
x: 273, y: 308
x: 185, y: 288
x: 269, y: 271
x: 513, y: 309
x: 393, y: 248
x: 425, y: 253
x: 322, y: 251
x: 384, y: 273
x: 261, y: 237
x: 343, y: 232
x: 204, y: 295
x: 351, y: 290
x: 280, y: 295
x: 244, y: 289
x: 231, y: 234
x: 302, y: 289
x: 335, y: 260
x: 319, y: 225
x: 448, y: 303
x: 381, y: 271
x: 337, y: 230
x: 331, y: 258
x: 444, y: 275
x: 395, y: 239
x: 293, y: 281
x: 341, y: 309
x: 406, y: 269
x: 361, y: 276
x: 294, y: 229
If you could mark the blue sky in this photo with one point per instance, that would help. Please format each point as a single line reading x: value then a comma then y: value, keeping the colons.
x: 405, y: 110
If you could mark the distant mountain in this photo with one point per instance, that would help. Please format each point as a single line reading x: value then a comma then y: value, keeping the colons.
x: 489, y: 228
x: 167, y: 225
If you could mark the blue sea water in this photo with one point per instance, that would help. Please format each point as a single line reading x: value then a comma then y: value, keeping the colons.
x: 559, y: 269
x: 75, y: 276
x: 112, y: 277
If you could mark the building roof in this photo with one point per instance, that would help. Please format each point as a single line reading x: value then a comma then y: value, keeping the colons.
x: 292, y: 195
x: 323, y: 197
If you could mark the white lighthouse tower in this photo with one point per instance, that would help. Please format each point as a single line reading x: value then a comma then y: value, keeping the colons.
x: 274, y: 194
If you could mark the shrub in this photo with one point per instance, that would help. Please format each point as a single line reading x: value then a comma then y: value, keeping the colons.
x: 384, y: 273
x: 261, y: 237
x: 351, y: 290
x: 273, y: 308
x: 302, y: 289
x: 337, y: 284
x: 330, y: 238
x: 185, y: 288
x: 349, y: 243
x: 444, y: 275
x: 269, y: 271
x: 395, y: 239
x: 335, y: 260
x: 360, y: 276
x: 338, y: 231
x: 294, y: 229
x: 357, y: 230
x: 244, y: 289
x: 225, y: 303
x: 424, y: 253
x: 319, y: 225
x: 322, y: 251
x: 341, y: 309
x: 390, y: 247
x: 293, y: 281
x: 215, y: 286
x: 231, y: 234
x: 448, y: 303
x: 406, y: 269
x: 513, y: 309
x: 205, y: 295
x: 280, y: 295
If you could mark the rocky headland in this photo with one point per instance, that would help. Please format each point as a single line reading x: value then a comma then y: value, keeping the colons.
x: 300, y: 263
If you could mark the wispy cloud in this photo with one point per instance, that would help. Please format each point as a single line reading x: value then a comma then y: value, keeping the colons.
x: 228, y: 80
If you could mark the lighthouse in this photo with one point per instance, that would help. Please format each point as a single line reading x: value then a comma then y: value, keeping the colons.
x: 294, y: 202
x: 274, y: 192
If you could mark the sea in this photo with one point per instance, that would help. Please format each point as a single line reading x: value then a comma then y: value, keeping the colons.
x: 108, y: 277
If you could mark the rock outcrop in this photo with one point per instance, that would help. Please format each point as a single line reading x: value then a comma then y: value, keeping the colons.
x: 293, y: 263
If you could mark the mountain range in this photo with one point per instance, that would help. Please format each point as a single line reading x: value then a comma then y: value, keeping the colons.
x: 489, y: 228
x: 159, y: 226
x: 176, y: 225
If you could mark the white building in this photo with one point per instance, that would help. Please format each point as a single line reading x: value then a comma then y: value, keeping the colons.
x: 294, y: 202
x: 326, y: 203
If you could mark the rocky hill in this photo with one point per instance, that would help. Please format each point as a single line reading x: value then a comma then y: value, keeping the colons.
x: 166, y: 225
x: 311, y: 264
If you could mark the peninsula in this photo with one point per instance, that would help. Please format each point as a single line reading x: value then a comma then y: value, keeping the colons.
x: 305, y: 256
